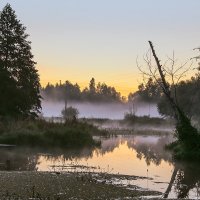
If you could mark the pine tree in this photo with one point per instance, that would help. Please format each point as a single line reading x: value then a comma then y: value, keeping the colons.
x: 19, y: 79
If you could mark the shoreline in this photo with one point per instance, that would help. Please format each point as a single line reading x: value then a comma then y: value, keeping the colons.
x: 61, y: 185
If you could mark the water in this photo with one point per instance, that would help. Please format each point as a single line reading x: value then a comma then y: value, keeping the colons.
x: 135, y: 155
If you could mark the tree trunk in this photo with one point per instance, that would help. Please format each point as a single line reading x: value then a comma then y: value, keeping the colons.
x: 166, y: 194
x: 185, y: 131
x: 165, y: 86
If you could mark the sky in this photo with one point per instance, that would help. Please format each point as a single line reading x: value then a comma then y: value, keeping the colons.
x: 79, y: 39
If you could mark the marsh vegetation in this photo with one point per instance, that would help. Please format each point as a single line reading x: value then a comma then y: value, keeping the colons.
x: 42, y: 133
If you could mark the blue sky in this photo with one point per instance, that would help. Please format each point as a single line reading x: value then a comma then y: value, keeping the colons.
x: 80, y: 39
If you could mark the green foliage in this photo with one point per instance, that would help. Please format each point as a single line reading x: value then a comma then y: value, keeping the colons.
x: 187, y: 146
x: 19, y: 86
x: 42, y: 133
x: 181, y: 152
x: 187, y: 134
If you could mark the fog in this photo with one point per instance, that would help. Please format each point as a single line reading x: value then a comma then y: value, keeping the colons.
x: 99, y: 110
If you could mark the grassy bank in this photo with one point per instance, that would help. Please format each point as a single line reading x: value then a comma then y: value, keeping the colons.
x: 42, y: 133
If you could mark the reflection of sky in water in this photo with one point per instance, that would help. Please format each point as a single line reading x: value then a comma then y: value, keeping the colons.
x: 119, y: 156
x: 146, y: 140
x: 127, y: 155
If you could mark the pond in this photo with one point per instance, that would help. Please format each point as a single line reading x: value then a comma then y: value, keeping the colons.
x: 134, y: 155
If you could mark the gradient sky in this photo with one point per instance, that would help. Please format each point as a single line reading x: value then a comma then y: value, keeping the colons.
x: 79, y: 39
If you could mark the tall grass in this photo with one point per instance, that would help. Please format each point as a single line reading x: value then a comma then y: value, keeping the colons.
x: 42, y: 133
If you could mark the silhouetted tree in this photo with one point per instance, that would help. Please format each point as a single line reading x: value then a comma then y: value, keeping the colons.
x: 92, y: 86
x: 188, y: 93
x: 20, y: 95
x: 188, y: 138
x: 70, y: 113
x: 148, y: 92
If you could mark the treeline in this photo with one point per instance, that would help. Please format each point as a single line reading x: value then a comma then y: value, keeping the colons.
x: 187, y: 95
x: 68, y: 91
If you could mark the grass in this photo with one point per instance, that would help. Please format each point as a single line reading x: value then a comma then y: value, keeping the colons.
x: 42, y: 133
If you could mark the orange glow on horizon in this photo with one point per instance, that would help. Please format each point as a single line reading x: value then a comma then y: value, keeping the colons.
x: 125, y: 90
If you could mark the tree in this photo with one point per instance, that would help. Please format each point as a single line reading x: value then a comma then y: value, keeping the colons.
x: 188, y: 93
x: 92, y: 86
x: 20, y: 87
x: 188, y: 138
x: 70, y: 113
x: 7, y: 91
x: 148, y: 92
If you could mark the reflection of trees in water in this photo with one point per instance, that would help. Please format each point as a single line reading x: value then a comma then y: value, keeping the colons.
x: 27, y: 159
x: 152, y: 152
x: 68, y: 154
x: 185, y: 177
x: 17, y: 160
x: 108, y: 145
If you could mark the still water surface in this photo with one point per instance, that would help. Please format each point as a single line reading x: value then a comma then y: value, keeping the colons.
x: 135, y: 155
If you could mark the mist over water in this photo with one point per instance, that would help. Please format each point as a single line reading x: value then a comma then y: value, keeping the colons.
x: 99, y: 110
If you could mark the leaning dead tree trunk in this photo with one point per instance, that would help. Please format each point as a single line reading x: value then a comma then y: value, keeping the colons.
x: 165, y: 86
x: 186, y: 133
x: 169, y: 188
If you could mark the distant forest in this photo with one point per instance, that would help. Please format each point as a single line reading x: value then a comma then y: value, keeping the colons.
x: 187, y: 94
x: 99, y: 92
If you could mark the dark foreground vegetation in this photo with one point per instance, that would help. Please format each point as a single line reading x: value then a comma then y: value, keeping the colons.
x: 187, y: 145
x: 42, y: 133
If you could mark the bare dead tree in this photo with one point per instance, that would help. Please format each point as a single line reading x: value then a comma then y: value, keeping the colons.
x: 164, y: 74
x: 168, y: 76
x: 173, y: 73
x: 169, y: 188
